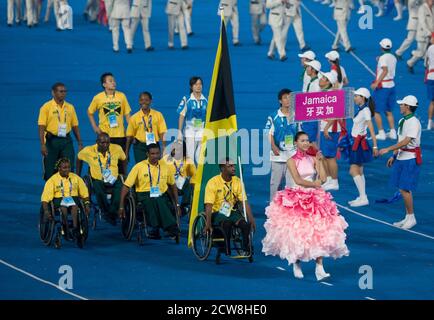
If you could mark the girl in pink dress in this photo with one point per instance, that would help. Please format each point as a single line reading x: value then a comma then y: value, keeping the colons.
x: 303, y: 223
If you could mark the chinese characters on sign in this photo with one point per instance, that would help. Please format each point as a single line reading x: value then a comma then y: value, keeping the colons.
x: 313, y: 106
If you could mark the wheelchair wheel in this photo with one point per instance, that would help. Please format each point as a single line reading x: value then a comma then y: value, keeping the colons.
x: 46, y: 226
x: 128, y: 223
x: 201, y: 240
x: 238, y: 243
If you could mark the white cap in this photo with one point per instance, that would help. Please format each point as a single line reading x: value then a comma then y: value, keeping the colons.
x: 314, y: 64
x: 308, y: 55
x: 408, y: 100
x: 331, y: 76
x: 363, y: 92
x: 386, y: 43
x: 332, y: 55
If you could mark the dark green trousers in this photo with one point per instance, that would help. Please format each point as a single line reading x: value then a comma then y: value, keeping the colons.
x: 186, y: 193
x: 57, y: 148
x: 158, y: 211
x: 99, y: 188
x: 140, y: 151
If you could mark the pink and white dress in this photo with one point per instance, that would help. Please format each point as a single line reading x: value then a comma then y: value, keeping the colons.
x: 304, y: 223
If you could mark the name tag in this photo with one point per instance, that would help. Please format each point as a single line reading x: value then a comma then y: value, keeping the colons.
x: 289, y: 141
x: 61, y: 130
x: 108, y: 177
x: 67, y: 202
x: 155, y: 192
x: 226, y: 209
x: 112, y: 120
x: 150, y: 138
x: 180, y: 181
x: 197, y: 123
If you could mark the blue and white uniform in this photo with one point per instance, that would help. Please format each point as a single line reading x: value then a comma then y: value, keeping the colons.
x: 360, y: 150
x: 385, y: 95
x: 283, y: 133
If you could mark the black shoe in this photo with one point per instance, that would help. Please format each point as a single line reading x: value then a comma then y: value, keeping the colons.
x: 305, y: 48
x: 270, y: 56
x: 398, y: 57
x: 184, y: 47
x: 149, y: 49
x: 237, y: 44
x: 171, y: 47
x: 115, y: 51
x: 9, y: 24
x: 129, y: 50
x: 336, y: 49
x: 258, y: 42
x: 191, y: 34
x: 154, y: 234
x: 284, y: 58
x: 350, y: 49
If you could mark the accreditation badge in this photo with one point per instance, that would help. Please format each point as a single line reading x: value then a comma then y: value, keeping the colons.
x: 225, y: 209
x: 155, y: 192
x: 150, y: 138
x: 113, y: 121
x: 108, y: 177
x: 180, y: 181
x: 67, y: 202
x: 197, y: 123
x: 61, y: 130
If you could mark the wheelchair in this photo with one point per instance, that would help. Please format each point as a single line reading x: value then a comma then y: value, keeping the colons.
x: 203, y: 242
x: 97, y: 211
x: 55, y: 229
x: 135, y: 220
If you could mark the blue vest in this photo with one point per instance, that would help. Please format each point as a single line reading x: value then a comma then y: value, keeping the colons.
x: 195, y: 109
x: 282, y: 128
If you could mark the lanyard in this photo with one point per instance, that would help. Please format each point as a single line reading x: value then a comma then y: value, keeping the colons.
x: 58, y: 114
x: 150, y: 176
x: 107, y: 164
x: 178, y: 170
x: 62, y: 189
x: 229, y: 187
x: 149, y: 124
x: 311, y: 80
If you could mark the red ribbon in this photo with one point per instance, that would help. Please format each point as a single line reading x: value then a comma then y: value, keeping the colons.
x: 360, y: 140
x: 418, y: 153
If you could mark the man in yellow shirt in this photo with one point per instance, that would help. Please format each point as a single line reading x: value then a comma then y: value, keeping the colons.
x: 145, y: 127
x: 112, y: 107
x: 103, y: 159
x: 56, y: 120
x: 155, y: 188
x: 184, y: 172
x: 65, y: 189
x: 223, y: 195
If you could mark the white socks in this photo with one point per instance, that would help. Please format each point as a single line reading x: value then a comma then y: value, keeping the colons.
x: 429, y: 124
x: 360, y: 184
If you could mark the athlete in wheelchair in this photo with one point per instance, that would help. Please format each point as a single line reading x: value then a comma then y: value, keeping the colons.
x: 153, y: 199
x: 64, y: 192
x: 224, y: 224
x: 103, y: 181
x: 184, y: 171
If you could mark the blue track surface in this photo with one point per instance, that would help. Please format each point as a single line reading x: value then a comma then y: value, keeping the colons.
x: 31, y: 60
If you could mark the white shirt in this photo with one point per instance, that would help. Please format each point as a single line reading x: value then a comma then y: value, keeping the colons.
x: 314, y: 85
x: 429, y: 62
x: 387, y: 60
x: 306, y: 80
x: 284, y: 155
x: 412, y: 129
x: 359, y: 122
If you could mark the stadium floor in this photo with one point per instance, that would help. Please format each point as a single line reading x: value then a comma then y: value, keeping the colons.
x: 111, y: 268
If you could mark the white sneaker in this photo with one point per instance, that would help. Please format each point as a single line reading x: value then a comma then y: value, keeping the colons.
x: 410, y: 222
x: 331, y: 185
x: 400, y: 223
x: 296, y: 268
x: 381, y: 135
x: 360, y: 202
x: 332, y: 5
x: 392, y: 135
x: 320, y: 272
x: 430, y: 125
x: 352, y: 201
x: 397, y: 18
x: 379, y: 13
x: 326, y: 2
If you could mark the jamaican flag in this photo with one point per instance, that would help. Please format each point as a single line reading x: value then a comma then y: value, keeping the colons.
x: 219, y: 139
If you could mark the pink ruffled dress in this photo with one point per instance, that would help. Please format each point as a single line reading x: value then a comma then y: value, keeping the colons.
x: 304, y: 223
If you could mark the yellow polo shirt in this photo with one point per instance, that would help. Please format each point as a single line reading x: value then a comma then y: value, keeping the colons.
x: 50, y: 114
x: 104, y: 104
x: 217, y: 189
x: 90, y: 156
x: 140, y: 123
x: 139, y: 176
x: 52, y: 188
x: 188, y: 168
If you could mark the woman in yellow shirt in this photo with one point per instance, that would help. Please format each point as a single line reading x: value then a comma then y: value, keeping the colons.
x: 65, y: 189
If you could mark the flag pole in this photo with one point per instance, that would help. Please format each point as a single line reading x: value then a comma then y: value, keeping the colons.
x: 242, y: 189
